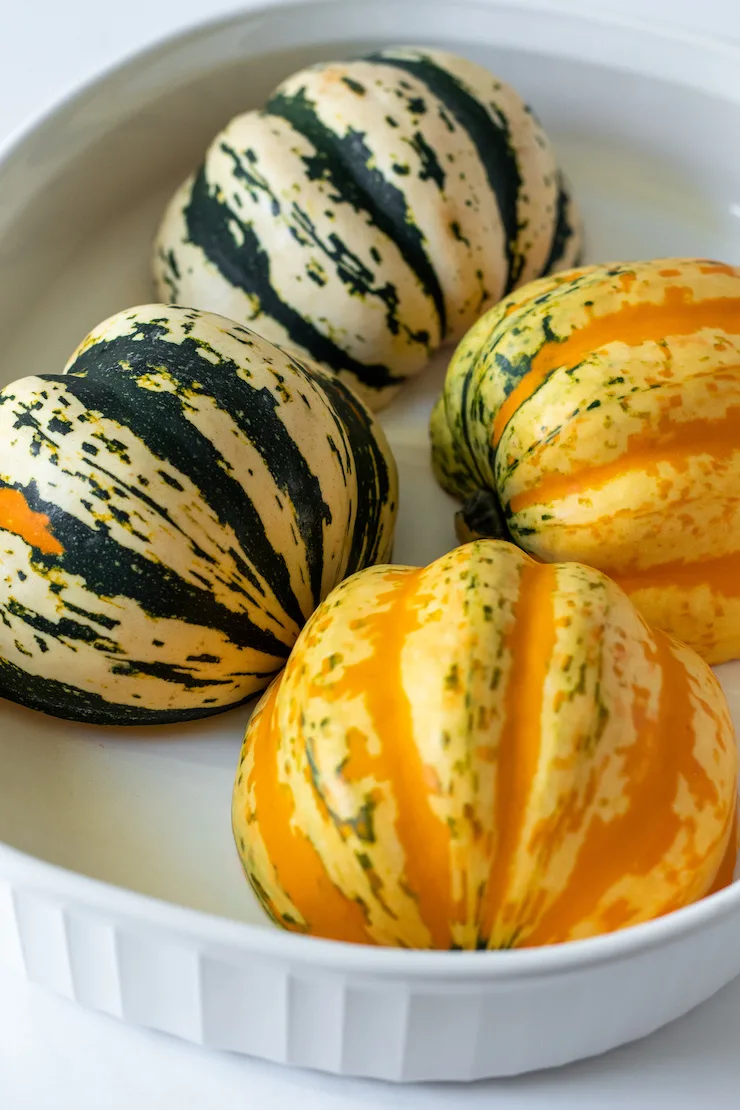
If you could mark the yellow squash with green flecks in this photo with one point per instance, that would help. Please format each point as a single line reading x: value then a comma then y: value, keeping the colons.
x: 600, y: 410
x: 486, y: 753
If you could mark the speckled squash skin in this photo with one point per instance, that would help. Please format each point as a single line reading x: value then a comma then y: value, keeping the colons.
x: 172, y: 508
x: 602, y: 408
x: 487, y: 753
x: 370, y: 213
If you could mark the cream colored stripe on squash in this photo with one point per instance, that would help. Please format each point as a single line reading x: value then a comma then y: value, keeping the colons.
x: 193, y: 520
x: 93, y: 663
x: 459, y: 220
x: 304, y: 410
x: 538, y: 193
x: 315, y: 237
x: 200, y: 282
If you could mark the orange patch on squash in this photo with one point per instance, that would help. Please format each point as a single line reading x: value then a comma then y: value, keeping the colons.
x: 17, y: 516
x: 671, y: 441
x: 721, y: 575
x: 719, y: 268
x: 635, y: 841
x: 299, y: 868
x: 632, y: 324
x: 531, y: 641
x: 376, y: 679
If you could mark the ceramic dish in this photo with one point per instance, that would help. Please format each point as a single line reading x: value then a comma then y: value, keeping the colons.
x: 119, y: 883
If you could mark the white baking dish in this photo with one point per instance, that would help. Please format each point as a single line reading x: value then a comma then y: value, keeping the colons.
x: 119, y: 883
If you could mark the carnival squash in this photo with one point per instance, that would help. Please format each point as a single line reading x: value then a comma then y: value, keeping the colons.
x: 595, y: 416
x: 369, y: 213
x: 486, y: 753
x: 172, y: 509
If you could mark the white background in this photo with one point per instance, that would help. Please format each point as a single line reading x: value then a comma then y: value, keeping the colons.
x: 56, y: 1057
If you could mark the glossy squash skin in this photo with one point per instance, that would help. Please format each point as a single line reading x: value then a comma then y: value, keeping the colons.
x: 487, y: 753
x: 369, y: 213
x: 602, y: 409
x: 172, y: 508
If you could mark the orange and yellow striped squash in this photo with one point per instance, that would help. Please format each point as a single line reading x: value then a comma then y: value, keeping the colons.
x: 486, y: 753
x: 601, y: 408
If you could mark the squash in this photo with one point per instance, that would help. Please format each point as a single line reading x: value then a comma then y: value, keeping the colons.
x: 369, y: 213
x: 595, y: 416
x: 486, y: 753
x: 172, y: 509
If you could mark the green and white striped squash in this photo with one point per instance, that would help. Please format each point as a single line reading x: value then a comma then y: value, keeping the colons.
x: 370, y: 213
x: 172, y: 509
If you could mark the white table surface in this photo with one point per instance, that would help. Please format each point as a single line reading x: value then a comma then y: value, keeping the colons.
x: 54, y: 1056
